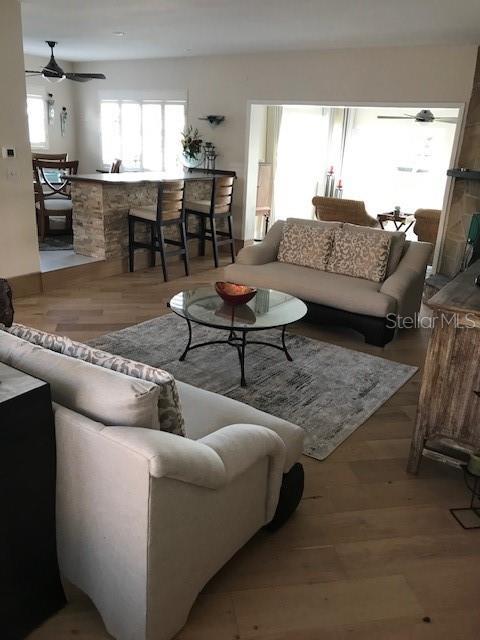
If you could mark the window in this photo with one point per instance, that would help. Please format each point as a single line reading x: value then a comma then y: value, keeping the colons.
x: 145, y: 134
x: 37, y: 118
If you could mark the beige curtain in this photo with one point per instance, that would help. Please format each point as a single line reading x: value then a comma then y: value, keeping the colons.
x: 274, y: 121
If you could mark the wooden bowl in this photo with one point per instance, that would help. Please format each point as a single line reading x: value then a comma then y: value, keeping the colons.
x: 235, y: 293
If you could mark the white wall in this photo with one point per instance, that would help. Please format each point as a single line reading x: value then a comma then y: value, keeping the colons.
x: 18, y: 235
x: 226, y: 84
x: 63, y: 94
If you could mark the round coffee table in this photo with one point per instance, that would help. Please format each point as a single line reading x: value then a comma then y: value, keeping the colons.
x: 269, y: 309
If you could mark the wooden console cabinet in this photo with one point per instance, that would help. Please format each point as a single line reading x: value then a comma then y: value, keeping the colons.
x: 30, y: 585
x: 448, y: 411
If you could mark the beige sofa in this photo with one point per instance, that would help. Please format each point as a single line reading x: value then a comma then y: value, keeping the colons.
x: 144, y: 517
x: 369, y: 307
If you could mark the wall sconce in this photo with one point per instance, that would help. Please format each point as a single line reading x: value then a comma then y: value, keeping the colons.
x: 50, y: 108
x: 213, y: 120
x: 63, y: 120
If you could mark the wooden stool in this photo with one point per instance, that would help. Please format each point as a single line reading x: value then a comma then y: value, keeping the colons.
x: 219, y: 207
x: 168, y: 212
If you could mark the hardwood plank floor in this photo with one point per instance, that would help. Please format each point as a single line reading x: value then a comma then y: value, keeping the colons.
x: 371, y: 551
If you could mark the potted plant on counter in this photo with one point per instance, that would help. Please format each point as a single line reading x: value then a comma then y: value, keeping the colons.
x: 192, y: 155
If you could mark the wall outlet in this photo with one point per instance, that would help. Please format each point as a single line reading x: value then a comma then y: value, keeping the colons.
x: 8, y: 152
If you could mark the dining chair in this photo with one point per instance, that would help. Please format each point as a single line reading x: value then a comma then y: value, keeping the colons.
x: 116, y: 164
x: 168, y: 212
x: 49, y: 157
x: 219, y: 207
x: 342, y: 210
x: 53, y: 198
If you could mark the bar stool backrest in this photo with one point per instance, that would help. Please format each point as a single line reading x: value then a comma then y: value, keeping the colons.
x: 222, y: 194
x: 170, y: 201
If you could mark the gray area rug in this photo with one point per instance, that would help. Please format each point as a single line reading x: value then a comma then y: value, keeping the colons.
x: 328, y: 390
x: 56, y: 243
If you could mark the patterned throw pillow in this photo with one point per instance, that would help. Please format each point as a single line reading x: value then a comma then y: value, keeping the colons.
x: 397, y: 244
x: 169, y: 410
x: 363, y: 254
x: 306, y: 245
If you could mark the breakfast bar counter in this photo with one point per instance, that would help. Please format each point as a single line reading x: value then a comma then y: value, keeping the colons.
x: 101, y: 202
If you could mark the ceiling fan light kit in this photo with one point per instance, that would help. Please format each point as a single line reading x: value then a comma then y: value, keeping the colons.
x: 53, y: 72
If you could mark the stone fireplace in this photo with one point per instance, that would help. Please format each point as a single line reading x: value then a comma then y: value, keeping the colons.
x: 466, y: 191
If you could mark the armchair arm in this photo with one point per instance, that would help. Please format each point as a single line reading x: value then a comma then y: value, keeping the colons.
x: 265, y: 251
x: 405, y: 284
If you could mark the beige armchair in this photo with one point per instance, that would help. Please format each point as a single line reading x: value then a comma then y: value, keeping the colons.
x: 339, y: 210
x: 426, y: 224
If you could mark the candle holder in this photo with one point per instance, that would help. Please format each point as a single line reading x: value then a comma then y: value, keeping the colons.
x: 472, y: 512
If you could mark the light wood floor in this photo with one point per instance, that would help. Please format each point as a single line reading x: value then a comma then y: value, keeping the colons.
x: 371, y: 552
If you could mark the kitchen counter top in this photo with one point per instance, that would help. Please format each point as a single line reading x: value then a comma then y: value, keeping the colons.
x: 140, y: 177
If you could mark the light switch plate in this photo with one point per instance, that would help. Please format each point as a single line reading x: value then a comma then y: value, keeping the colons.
x: 8, y: 152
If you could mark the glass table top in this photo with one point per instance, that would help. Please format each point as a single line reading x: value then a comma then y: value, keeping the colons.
x: 268, y: 309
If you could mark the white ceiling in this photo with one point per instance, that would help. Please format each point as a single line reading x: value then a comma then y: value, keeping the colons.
x: 160, y: 28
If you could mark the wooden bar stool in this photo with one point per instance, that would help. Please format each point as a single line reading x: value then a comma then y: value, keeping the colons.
x: 168, y: 212
x: 218, y: 208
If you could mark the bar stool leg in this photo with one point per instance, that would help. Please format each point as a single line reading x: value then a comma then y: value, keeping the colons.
x: 161, y: 242
x: 131, y: 249
x: 201, y: 244
x: 183, y: 233
x: 152, y: 245
x: 213, y: 227
x: 232, y: 242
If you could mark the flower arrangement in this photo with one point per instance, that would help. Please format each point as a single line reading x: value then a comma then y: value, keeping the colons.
x: 191, y: 143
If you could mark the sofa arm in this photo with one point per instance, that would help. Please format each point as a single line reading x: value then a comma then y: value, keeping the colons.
x: 211, y: 462
x: 405, y: 284
x: 265, y: 251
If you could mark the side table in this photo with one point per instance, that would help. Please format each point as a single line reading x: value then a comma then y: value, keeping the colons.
x: 30, y: 586
x: 399, y: 220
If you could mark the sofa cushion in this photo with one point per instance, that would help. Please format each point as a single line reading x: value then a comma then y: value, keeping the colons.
x: 397, y: 245
x: 362, y: 253
x: 308, y: 245
x: 169, y: 409
x: 106, y: 396
x: 322, y: 287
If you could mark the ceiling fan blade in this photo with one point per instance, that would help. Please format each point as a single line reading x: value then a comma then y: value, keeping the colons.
x: 450, y: 120
x: 85, y: 77
x: 33, y: 73
x: 395, y: 117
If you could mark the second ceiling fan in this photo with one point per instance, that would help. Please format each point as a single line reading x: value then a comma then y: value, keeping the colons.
x: 424, y: 115
x: 54, y: 72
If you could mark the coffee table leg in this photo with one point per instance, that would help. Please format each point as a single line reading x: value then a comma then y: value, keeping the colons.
x: 183, y: 356
x: 289, y: 357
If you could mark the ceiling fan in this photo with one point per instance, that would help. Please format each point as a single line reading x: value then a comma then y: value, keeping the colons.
x: 424, y: 115
x: 53, y: 72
